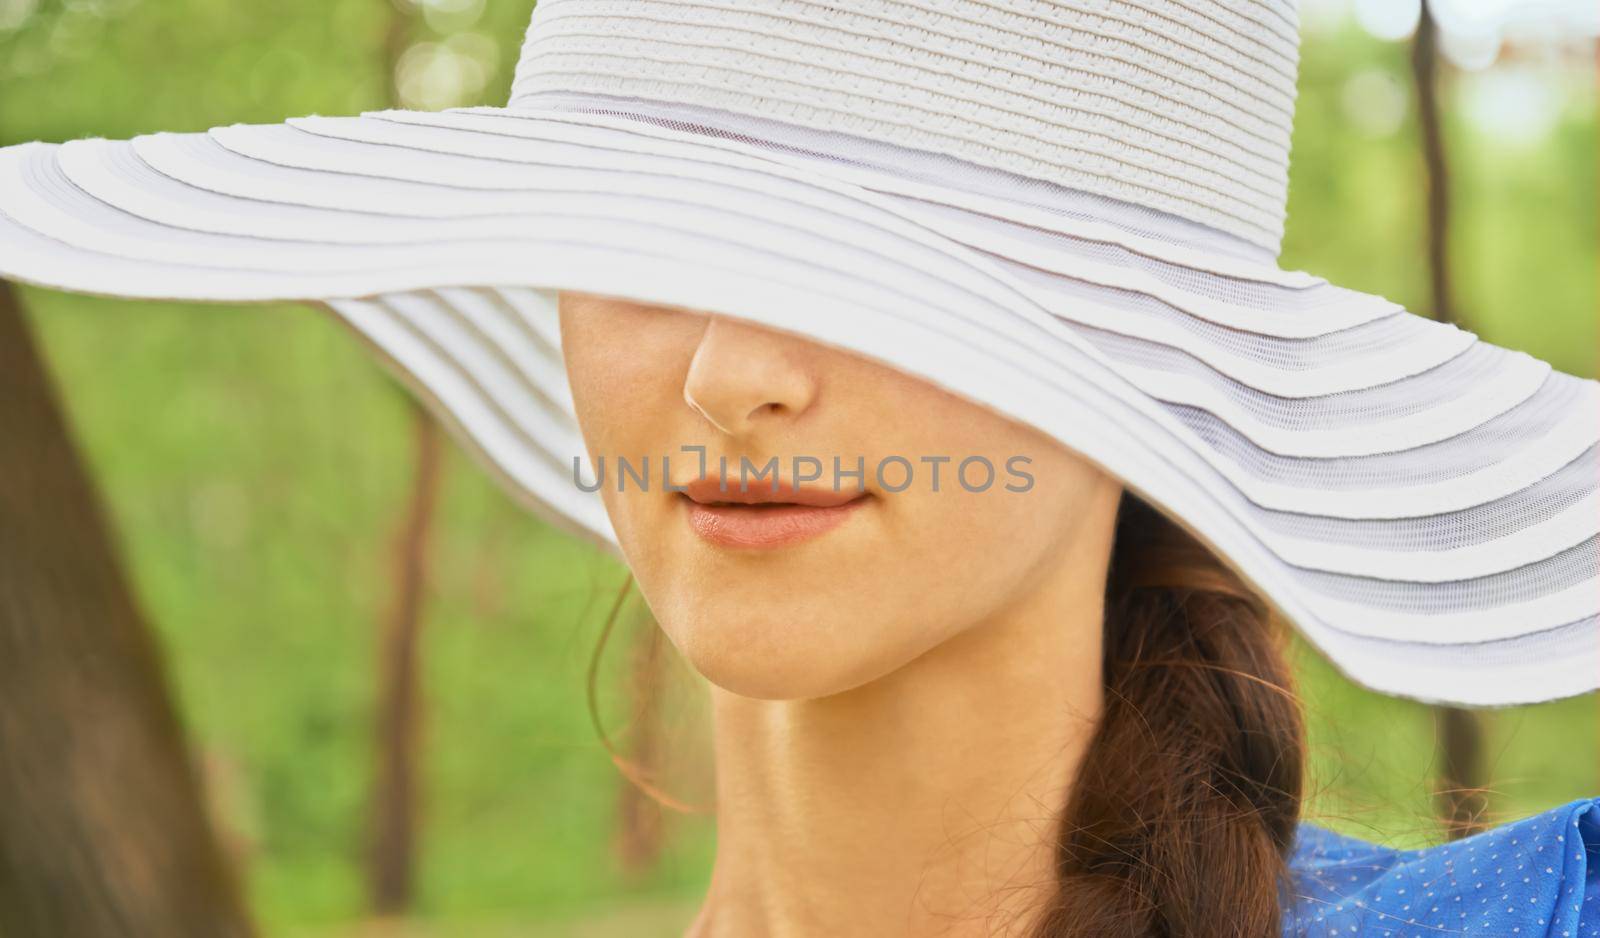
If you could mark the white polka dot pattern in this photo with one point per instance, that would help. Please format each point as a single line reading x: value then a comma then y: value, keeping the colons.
x: 1539, y: 876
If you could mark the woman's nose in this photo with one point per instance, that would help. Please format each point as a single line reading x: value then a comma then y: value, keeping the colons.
x: 742, y: 377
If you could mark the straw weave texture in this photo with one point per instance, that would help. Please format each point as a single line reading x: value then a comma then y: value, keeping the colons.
x: 1181, y: 107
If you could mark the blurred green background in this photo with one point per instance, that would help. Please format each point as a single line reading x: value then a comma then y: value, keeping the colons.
x: 257, y: 463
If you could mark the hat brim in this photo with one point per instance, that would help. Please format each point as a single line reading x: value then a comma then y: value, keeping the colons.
x: 1421, y: 504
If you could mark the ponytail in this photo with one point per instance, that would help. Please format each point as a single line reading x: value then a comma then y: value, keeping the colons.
x: 1185, y: 808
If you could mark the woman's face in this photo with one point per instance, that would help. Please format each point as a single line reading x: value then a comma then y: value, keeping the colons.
x: 957, y: 519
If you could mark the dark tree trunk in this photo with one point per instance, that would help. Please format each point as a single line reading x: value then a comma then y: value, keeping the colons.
x: 395, y: 792
x: 391, y: 857
x: 1425, y: 75
x: 103, y: 831
x: 1462, y: 802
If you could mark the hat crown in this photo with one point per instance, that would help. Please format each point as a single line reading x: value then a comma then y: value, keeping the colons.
x: 1183, y: 106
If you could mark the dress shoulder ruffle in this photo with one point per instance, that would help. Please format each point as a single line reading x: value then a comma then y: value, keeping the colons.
x: 1539, y: 876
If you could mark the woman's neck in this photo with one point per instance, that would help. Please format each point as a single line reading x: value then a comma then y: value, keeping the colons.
x: 922, y: 803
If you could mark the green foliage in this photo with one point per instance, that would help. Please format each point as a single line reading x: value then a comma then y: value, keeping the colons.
x: 1523, y: 232
x: 255, y: 460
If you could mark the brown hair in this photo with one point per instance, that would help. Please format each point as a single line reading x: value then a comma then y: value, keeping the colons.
x: 1185, y: 807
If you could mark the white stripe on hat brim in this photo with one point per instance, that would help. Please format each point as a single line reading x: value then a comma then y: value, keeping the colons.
x: 531, y: 343
x: 530, y: 474
x: 1530, y: 669
x: 535, y: 414
x: 1572, y: 604
x: 1515, y: 383
x: 202, y: 162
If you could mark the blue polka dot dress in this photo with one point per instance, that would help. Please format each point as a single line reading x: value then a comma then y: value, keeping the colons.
x: 1539, y: 876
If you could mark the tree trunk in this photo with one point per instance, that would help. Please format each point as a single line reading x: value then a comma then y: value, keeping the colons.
x: 1425, y: 75
x: 391, y: 857
x: 1462, y: 802
x: 393, y: 849
x: 103, y: 830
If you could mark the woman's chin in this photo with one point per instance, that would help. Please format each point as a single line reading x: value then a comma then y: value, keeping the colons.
x: 789, y: 665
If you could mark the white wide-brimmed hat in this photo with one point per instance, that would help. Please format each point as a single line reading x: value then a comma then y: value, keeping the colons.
x: 1066, y: 210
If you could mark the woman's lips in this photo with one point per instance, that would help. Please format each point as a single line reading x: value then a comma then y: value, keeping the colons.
x: 762, y: 517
